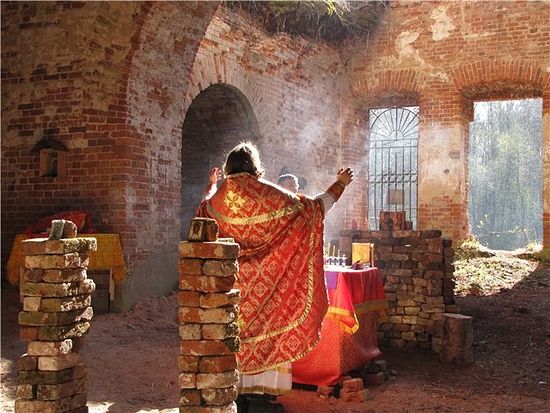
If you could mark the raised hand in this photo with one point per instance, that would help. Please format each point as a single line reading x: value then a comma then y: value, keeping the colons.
x: 345, y: 176
x: 214, y: 175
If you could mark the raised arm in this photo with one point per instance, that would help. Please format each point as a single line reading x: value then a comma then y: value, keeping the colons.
x: 214, y: 175
x: 344, y: 177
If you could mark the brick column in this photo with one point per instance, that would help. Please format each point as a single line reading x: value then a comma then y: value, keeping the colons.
x: 209, y: 331
x: 443, y: 149
x: 56, y: 315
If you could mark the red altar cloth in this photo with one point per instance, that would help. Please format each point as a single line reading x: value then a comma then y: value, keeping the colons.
x: 348, y: 336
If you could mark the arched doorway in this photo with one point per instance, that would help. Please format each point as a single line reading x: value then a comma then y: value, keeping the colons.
x: 218, y: 119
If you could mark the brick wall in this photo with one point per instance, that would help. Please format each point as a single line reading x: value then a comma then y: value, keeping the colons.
x: 115, y: 86
x: 77, y: 89
x: 287, y: 93
x: 114, y: 81
x: 449, y: 54
x: 418, y: 275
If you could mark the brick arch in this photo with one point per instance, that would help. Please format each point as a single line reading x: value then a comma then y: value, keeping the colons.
x: 405, y: 81
x: 211, y: 69
x: 491, y: 79
x: 219, y: 118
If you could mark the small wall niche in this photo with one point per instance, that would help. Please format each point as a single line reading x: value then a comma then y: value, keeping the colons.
x: 53, y: 157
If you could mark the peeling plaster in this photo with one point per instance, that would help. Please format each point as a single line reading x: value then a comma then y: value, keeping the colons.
x: 441, y: 165
x: 404, y: 48
x: 442, y: 76
x: 443, y: 24
x: 473, y: 36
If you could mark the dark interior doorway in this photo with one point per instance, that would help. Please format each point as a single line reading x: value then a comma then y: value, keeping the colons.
x: 218, y: 119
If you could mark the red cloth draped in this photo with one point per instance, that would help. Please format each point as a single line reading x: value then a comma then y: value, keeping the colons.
x: 280, y: 268
x: 82, y: 220
x: 348, y: 338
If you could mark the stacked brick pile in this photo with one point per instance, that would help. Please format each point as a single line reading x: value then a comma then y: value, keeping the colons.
x: 354, y: 388
x: 417, y: 270
x: 208, y: 312
x: 56, y: 315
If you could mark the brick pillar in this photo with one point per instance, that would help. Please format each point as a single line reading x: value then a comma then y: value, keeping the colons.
x: 443, y: 162
x: 56, y: 315
x: 208, y: 312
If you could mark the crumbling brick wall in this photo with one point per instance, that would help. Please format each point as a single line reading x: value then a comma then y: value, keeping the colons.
x: 443, y: 56
x: 114, y: 80
x: 417, y: 271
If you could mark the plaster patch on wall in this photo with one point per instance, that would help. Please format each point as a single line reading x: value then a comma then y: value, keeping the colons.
x: 473, y: 36
x: 442, y: 76
x: 442, y: 154
x: 78, y: 143
x: 443, y: 23
x: 404, y: 48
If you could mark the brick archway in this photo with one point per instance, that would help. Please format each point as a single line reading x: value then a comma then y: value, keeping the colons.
x: 494, y: 79
x: 211, y: 69
x: 390, y: 82
x: 219, y: 118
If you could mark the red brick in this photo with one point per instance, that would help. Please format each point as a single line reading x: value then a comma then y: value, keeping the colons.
x: 208, y: 347
x: 217, y: 364
x: 189, y: 298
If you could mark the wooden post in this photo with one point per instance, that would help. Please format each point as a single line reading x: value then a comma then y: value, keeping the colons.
x: 458, y: 337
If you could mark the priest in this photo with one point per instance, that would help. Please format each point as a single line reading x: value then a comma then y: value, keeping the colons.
x: 281, y: 275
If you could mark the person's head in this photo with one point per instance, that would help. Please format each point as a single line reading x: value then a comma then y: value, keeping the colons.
x: 288, y: 181
x: 244, y: 158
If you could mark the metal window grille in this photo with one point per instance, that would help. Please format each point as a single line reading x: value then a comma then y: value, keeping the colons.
x: 393, y: 160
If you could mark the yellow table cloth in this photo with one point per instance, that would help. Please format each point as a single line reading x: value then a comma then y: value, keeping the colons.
x: 107, y: 257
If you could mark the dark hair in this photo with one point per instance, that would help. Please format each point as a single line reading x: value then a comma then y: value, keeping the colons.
x: 286, y: 177
x: 244, y: 158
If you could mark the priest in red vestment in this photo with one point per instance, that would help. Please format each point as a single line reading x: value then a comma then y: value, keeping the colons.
x: 281, y: 275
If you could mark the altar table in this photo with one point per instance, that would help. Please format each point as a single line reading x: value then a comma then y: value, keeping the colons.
x: 107, y: 257
x: 348, y: 335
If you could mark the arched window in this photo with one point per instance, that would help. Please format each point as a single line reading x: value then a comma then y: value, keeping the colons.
x: 393, y: 159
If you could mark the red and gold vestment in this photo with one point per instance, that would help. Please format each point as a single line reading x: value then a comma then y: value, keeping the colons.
x: 281, y: 275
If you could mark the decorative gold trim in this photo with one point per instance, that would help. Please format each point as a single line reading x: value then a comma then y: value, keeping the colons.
x: 284, y: 370
x: 257, y: 219
x: 340, y: 311
x: 334, y: 313
x: 240, y: 174
x: 309, y: 301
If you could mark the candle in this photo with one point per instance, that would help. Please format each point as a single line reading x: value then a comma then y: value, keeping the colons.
x: 333, y: 250
x: 338, y: 252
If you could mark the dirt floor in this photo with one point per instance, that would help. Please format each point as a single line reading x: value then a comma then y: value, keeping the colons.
x: 131, y: 361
